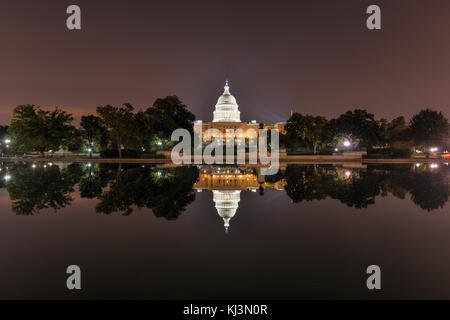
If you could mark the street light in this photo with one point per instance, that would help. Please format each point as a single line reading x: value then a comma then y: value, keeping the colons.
x: 347, y: 143
x: 7, y: 141
x: 433, y: 149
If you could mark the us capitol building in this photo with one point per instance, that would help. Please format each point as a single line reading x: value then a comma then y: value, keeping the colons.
x: 226, y: 183
x: 227, y: 116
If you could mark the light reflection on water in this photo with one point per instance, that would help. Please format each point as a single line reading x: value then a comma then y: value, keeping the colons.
x: 306, y: 232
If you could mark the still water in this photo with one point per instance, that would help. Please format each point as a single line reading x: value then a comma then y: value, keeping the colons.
x: 149, y: 232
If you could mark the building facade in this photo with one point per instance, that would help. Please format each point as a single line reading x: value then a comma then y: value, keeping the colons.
x: 227, y: 120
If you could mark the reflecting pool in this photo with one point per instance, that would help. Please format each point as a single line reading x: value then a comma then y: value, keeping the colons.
x: 224, y: 232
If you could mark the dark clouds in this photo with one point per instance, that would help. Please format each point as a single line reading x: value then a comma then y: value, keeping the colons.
x: 310, y: 56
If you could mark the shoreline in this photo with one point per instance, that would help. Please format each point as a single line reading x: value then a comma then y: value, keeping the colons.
x: 285, y: 160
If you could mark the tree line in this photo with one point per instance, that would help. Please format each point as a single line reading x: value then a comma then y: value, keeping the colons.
x: 115, y: 131
x: 358, y: 129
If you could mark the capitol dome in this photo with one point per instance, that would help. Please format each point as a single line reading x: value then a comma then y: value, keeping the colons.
x: 227, y: 203
x: 227, y: 107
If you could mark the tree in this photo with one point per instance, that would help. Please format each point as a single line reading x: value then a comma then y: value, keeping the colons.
x: 295, y: 133
x: 359, y: 124
x: 118, y: 121
x: 74, y: 142
x: 398, y: 130
x: 170, y: 114
x: 315, y: 132
x: 34, y: 129
x: 95, y: 134
x: 142, y: 131
x: 429, y: 127
x: 307, y: 130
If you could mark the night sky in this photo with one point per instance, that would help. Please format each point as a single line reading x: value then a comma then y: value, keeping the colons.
x: 315, y: 57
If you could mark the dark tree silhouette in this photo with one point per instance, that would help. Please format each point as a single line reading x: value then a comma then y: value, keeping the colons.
x: 166, y: 192
x: 34, y: 189
x: 430, y: 190
x: 429, y: 127
x: 305, y: 183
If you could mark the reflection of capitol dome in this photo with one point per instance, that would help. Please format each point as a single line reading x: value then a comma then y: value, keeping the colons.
x: 227, y: 202
x: 227, y: 108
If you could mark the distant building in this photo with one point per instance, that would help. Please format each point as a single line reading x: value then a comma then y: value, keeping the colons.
x: 227, y: 116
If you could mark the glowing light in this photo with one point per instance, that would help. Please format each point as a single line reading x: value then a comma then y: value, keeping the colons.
x: 434, y: 166
x: 417, y: 165
x: 347, y: 143
x: 7, y: 141
x: 33, y: 165
x: 348, y: 174
x: 50, y: 164
x: 89, y: 165
x: 89, y: 150
x: 7, y: 177
x: 336, y: 149
x: 433, y: 149
x: 159, y: 143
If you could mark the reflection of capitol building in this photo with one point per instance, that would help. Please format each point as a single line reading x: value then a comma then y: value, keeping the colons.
x: 227, y: 203
x: 226, y: 183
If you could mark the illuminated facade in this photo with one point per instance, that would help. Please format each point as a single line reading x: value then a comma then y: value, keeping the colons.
x: 226, y: 183
x: 227, y: 119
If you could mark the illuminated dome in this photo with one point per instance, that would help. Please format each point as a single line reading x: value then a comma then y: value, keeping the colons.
x: 227, y: 202
x: 227, y: 107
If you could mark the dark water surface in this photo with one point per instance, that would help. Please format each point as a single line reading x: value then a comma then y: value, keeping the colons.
x: 147, y: 232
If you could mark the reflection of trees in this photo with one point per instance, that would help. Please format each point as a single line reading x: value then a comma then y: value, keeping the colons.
x: 169, y: 192
x: 305, y: 183
x: 95, y: 177
x: 358, y: 188
x: 430, y: 190
x: 33, y: 189
x: 166, y: 192
x: 428, y: 187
